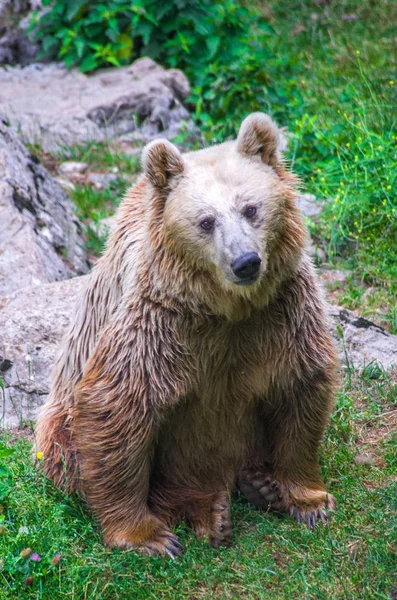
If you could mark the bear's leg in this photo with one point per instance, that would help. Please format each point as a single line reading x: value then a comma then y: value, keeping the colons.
x: 295, y: 427
x: 210, y: 517
x: 206, y: 512
x: 114, y: 450
x: 120, y: 405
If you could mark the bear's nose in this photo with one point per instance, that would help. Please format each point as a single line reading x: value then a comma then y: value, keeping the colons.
x: 247, y: 265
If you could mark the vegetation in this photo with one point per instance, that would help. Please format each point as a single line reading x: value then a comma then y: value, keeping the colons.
x: 327, y: 72
x: 270, y: 557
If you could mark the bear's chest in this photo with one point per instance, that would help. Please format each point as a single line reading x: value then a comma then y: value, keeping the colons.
x: 230, y: 359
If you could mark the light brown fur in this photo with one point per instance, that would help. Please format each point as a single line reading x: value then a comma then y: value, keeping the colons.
x: 174, y: 383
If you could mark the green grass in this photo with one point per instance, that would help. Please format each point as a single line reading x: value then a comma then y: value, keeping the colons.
x: 270, y: 557
x: 340, y: 81
x: 93, y: 205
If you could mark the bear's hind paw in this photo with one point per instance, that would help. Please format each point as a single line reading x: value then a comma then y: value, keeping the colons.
x: 261, y: 490
x: 161, y: 541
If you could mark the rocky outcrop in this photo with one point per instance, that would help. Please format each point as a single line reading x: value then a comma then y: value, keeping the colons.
x: 34, y: 320
x: 40, y: 236
x: 32, y: 323
x: 53, y: 107
x: 361, y: 340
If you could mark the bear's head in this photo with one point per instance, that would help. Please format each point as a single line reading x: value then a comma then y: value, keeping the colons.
x: 228, y: 212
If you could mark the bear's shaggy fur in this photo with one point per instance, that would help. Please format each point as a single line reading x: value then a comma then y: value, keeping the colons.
x: 178, y: 381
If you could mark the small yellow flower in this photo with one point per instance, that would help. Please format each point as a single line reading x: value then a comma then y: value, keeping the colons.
x: 391, y: 82
x: 40, y: 455
x: 356, y: 158
x: 384, y: 202
x: 357, y: 51
x: 388, y: 187
x: 374, y: 210
x: 389, y: 216
x: 345, y: 114
x: 380, y: 148
x: 356, y: 223
x: 368, y: 238
x: 322, y: 179
x: 360, y: 139
x: 347, y: 144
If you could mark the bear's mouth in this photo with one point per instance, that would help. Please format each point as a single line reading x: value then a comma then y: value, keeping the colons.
x: 247, y: 281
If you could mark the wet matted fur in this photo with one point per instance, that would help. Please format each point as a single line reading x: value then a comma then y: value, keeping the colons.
x: 175, y: 383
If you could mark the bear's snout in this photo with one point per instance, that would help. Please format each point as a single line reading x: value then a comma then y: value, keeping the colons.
x: 246, y: 267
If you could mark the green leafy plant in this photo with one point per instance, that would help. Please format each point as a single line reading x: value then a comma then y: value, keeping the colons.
x: 95, y: 34
x: 6, y: 478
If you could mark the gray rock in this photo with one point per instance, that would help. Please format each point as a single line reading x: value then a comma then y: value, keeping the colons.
x: 15, y: 46
x: 54, y: 107
x: 32, y: 323
x: 101, y: 180
x: 309, y: 205
x: 362, y: 340
x: 34, y: 320
x: 40, y: 236
x: 364, y: 459
x: 70, y: 168
x: 66, y: 184
x: 333, y: 277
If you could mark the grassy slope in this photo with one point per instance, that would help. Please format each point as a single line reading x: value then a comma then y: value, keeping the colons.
x: 271, y: 556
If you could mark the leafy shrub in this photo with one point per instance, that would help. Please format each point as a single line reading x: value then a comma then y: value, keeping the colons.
x: 94, y: 34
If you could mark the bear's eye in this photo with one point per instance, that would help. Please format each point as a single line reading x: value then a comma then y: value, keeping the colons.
x: 250, y: 212
x: 207, y: 224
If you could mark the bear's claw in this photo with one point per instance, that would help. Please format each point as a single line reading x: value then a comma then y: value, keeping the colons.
x: 165, y: 543
x: 304, y: 505
x: 221, y: 526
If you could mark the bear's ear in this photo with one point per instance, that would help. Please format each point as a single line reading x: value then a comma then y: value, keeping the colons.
x: 259, y: 135
x: 161, y: 161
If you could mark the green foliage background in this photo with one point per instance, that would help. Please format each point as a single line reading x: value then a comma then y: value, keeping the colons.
x: 324, y: 70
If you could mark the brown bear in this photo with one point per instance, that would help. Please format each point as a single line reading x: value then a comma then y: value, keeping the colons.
x: 199, y: 357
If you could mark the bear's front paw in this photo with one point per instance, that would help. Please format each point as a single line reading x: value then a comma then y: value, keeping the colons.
x: 221, y: 523
x: 147, y: 540
x: 308, y: 505
x: 212, y: 520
